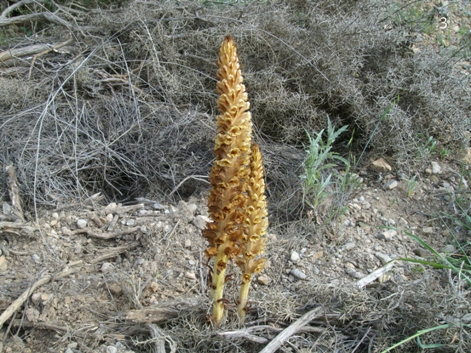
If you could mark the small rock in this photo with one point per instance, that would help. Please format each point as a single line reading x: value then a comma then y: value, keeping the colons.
x: 271, y: 237
x: 192, y: 208
x: 36, y: 258
x: 294, y: 256
x: 348, y: 246
x: 200, y: 221
x: 298, y: 274
x: 6, y: 208
x: 192, y: 262
x: 190, y: 275
x: 380, y: 165
x: 112, y: 349
x: 140, y: 261
x: 263, y: 279
x: 66, y: 231
x: 187, y: 243
x: 69, y: 350
x: 144, y: 229
x: 45, y: 297
x: 36, y: 298
x: 403, y: 223
x: 158, y: 206
x: 106, y: 267
x: 115, y: 289
x: 3, y: 264
x: 153, y: 287
x: 72, y: 345
x: 81, y: 223
x: 420, y: 252
x: 53, y: 222
x: 391, y: 184
x: 436, y: 169
x: 427, y: 230
x: 466, y: 156
x: 55, y: 215
x: 32, y: 314
x: 449, y: 249
x: 130, y: 222
x: 110, y: 208
x: 317, y: 255
x: 109, y: 217
x: 352, y: 272
x: 383, y: 258
x: 387, y: 234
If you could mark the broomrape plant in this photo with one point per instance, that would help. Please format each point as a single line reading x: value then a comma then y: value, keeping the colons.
x: 236, y: 203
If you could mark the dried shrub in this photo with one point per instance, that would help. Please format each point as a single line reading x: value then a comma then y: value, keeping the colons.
x: 134, y: 112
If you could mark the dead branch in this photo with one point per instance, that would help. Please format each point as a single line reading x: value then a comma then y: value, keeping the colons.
x: 292, y: 329
x: 41, y: 16
x: 247, y: 333
x: 17, y: 228
x: 152, y: 315
x: 22, y: 298
x: 90, y: 201
x: 52, y: 48
x: 66, y: 271
x: 128, y: 209
x: 106, y: 235
x: 114, y: 252
x: 162, y: 313
x: 25, y: 51
x: 375, y: 274
x: 14, y: 192
x: 14, y: 6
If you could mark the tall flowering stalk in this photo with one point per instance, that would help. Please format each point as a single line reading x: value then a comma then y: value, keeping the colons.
x: 228, y: 198
x: 256, y: 227
x: 236, y: 202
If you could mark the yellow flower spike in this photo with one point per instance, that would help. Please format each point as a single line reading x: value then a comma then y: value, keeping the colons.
x: 255, y: 226
x: 228, y: 199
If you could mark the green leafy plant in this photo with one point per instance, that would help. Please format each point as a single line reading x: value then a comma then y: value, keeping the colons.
x: 320, y: 159
x: 459, y: 264
x: 322, y: 180
x: 411, y: 184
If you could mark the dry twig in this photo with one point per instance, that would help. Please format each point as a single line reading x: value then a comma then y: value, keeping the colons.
x: 292, y: 329
x: 14, y: 192
x: 106, y: 235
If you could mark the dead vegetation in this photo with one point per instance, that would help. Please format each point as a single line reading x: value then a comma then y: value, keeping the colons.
x: 121, y: 100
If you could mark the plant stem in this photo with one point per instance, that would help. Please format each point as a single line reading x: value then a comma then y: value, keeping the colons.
x: 217, y: 291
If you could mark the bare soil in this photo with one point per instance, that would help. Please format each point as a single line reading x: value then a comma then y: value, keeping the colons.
x: 115, y: 269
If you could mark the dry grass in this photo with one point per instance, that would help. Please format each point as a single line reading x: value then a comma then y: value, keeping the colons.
x: 131, y: 109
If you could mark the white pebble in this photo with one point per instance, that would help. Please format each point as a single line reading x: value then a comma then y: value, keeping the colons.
x: 298, y: 274
x: 81, y: 223
x: 294, y: 256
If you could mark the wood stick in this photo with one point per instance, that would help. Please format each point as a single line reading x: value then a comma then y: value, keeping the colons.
x: 106, y: 235
x: 375, y: 274
x: 66, y: 271
x: 22, y: 298
x: 14, y: 192
x: 17, y: 228
x: 41, y: 16
x: 292, y: 329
